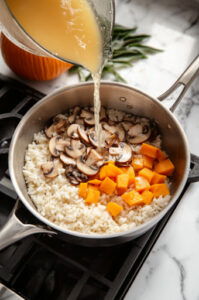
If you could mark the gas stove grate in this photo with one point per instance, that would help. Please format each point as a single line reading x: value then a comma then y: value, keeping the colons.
x: 42, y: 267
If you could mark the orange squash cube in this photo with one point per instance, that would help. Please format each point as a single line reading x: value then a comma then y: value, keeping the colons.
x: 122, y: 183
x: 159, y: 189
x: 95, y: 181
x: 137, y: 163
x: 114, y: 209
x: 161, y: 155
x: 148, y: 162
x: 147, y: 197
x: 107, y: 186
x: 158, y: 178
x: 149, y: 150
x: 131, y: 174
x: 141, y: 183
x: 109, y: 170
x: 83, y: 189
x: 92, y: 196
x: 113, y: 171
x: 103, y: 172
x: 133, y: 198
x: 146, y: 173
x: 164, y: 167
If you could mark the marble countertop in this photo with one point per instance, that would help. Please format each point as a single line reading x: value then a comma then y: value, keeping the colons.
x: 171, y: 270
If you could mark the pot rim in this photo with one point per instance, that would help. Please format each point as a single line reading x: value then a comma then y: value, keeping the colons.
x: 139, y: 228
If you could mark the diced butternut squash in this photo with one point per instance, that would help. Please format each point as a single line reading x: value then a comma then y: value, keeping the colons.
x: 161, y: 155
x: 107, y: 186
x: 95, y: 181
x: 103, y: 172
x: 93, y: 187
x: 114, y: 209
x: 147, y: 197
x: 83, y: 187
x: 109, y: 170
x: 146, y: 173
x: 149, y: 150
x: 164, y: 167
x: 131, y: 174
x: 158, y: 178
x: 141, y: 184
x: 92, y: 196
x: 122, y: 183
x: 148, y: 162
x: 159, y: 189
x: 113, y: 171
x: 137, y: 163
x: 132, y: 198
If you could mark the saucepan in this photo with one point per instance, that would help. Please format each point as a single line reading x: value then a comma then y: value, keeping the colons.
x: 114, y: 95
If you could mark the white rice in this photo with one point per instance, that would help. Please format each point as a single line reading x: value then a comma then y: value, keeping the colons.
x: 58, y: 201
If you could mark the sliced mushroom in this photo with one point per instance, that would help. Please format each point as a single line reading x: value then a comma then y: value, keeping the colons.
x: 49, y: 169
x: 139, y: 133
x: 115, y: 115
x: 130, y: 118
x: 84, y: 168
x: 61, y: 144
x: 58, y: 126
x: 93, y: 157
x: 114, y: 151
x: 67, y: 160
x: 115, y: 129
x: 59, y: 117
x: 52, y: 146
x: 92, y: 137
x: 72, y: 131
x: 90, y: 165
x: 126, y: 125
x: 79, y: 121
x: 88, y: 117
x: 125, y: 154
x: 103, y: 115
x: 71, y: 118
x: 120, y: 133
x: 49, y: 131
x: 83, y: 135
x: 111, y: 139
x: 75, y: 149
x: 75, y: 176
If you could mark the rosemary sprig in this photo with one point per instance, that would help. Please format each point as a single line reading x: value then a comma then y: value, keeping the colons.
x: 127, y: 48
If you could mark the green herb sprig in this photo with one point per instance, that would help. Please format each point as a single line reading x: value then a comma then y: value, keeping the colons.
x: 127, y: 48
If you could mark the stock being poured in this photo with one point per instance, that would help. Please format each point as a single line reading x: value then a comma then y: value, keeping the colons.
x: 67, y: 29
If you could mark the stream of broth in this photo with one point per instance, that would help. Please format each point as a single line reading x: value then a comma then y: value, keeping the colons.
x: 67, y: 29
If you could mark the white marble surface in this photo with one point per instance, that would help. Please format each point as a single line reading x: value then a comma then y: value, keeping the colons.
x: 171, y: 270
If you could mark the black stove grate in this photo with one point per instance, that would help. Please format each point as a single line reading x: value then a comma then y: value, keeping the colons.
x: 42, y: 267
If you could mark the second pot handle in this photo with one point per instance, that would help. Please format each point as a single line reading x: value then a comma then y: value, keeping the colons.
x: 184, y: 80
x: 15, y: 230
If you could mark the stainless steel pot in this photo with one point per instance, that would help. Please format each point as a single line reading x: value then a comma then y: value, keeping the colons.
x: 113, y: 95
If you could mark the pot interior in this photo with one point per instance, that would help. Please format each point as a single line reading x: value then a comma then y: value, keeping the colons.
x: 113, y: 95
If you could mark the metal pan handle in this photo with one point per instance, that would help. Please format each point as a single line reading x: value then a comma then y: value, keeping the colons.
x: 183, y: 81
x: 15, y: 230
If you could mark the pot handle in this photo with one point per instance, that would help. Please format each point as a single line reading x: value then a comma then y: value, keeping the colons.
x: 184, y: 81
x: 15, y: 230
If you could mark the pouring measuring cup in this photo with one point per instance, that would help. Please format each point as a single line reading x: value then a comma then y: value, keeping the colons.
x: 103, y: 10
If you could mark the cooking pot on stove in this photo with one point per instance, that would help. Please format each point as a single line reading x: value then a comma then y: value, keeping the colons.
x: 114, y: 95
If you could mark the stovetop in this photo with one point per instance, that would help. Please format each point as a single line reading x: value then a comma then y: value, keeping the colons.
x: 43, y: 267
